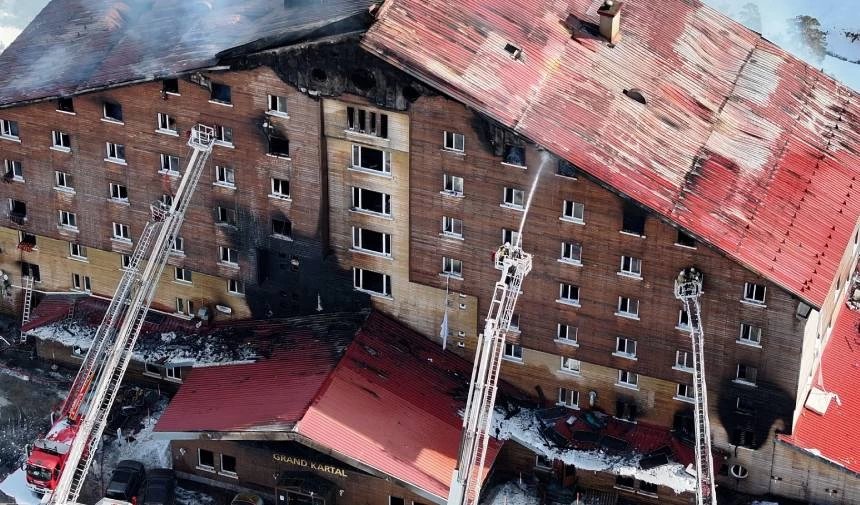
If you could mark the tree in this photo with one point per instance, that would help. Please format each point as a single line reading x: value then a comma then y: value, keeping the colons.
x: 750, y: 16
x: 808, y: 33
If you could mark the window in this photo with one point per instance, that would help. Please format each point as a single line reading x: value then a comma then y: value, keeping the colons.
x: 754, y: 293
x: 647, y: 488
x: 228, y: 464
x: 68, y: 220
x: 542, y: 461
x: 513, y: 352
x: 17, y: 211
x: 112, y: 111
x: 568, y: 397
x: 625, y: 347
x: 372, y: 241
x: 371, y: 201
x: 170, y: 86
x: 373, y: 282
x: 628, y: 307
x: 278, y: 105
x: 169, y: 164
x: 227, y: 255
x: 750, y: 334
x: 63, y: 180
x: 13, y: 170
x: 566, y: 168
x: 173, y: 372
x: 684, y: 392
x: 452, y: 267
x: 235, y: 287
x: 118, y: 192
x: 223, y: 135
x: 515, y: 155
x: 570, y: 365
x: 568, y: 293
x: 124, y: 261
x: 633, y: 220
x: 31, y: 270
x: 367, y: 122
x: 151, y: 368
x: 452, y: 227
x: 184, y: 306
x: 571, y: 252
x: 515, y: 323
x: 683, y: 320
x: 280, y: 188
x: 631, y: 267
x: 61, y: 140
x: 685, y: 240
x: 9, y: 129
x: 166, y: 123
x: 746, y: 374
x: 684, y: 360
x: 81, y: 283
x: 205, y: 459
x: 566, y: 333
x: 182, y: 274
x: 225, y: 216
x: 454, y: 141
x: 573, y: 211
x: 221, y: 93
x: 510, y: 236
x: 121, y: 232
x: 395, y: 500
x: 178, y: 245
x: 279, y: 146
x: 625, y: 482
x: 514, y: 198
x: 452, y: 185
x: 115, y: 152
x: 626, y: 378
x: 77, y: 251
x: 803, y: 310
x: 224, y: 176
x: 368, y: 158
x: 745, y: 405
x: 26, y: 239
x: 282, y: 228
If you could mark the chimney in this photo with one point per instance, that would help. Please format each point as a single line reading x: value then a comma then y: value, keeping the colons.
x: 610, y: 20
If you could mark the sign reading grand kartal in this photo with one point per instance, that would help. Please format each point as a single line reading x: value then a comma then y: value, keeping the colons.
x: 313, y: 465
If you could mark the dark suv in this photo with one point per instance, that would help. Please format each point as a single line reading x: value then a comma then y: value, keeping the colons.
x: 125, y: 481
x: 160, y: 487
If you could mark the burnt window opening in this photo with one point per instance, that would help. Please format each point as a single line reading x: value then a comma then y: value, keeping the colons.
x: 745, y: 437
x: 683, y: 423
x: 567, y: 168
x: 625, y: 410
x: 367, y: 122
x: 647, y: 487
x: 28, y: 239
x: 685, y: 240
x: 31, y: 270
x: 363, y: 79
x: 319, y: 75
x: 170, y: 86
x: 221, y: 93
x: 635, y: 94
x: 279, y: 146
x: 66, y: 105
x: 282, y: 228
x: 113, y: 111
x: 17, y: 210
x: 633, y: 220
x: 411, y: 94
x: 513, y: 51
x: 625, y: 481
x: 515, y: 155
x: 368, y: 158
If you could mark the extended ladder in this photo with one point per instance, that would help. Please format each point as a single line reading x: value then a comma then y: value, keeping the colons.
x: 27, y: 281
x: 688, y: 289
x: 95, y: 388
x: 477, y: 419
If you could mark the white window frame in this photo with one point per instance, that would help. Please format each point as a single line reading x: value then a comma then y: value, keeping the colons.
x: 116, y: 192
x: 509, y: 198
x: 173, y: 373
x: 625, y: 348
x: 82, y: 283
x: 573, y: 211
x: 200, y: 464
x: 452, y: 185
x: 684, y: 393
x: 282, y: 236
x: 683, y: 326
x: 450, y: 226
x: 77, y: 251
x: 752, y: 288
x: 452, y: 267
x: 184, y: 306
x: 62, y: 181
x: 748, y: 330
x: 124, y: 261
x: 567, y: 253
x: 225, y: 177
x: 68, y: 220
x: 510, y: 236
x: 358, y: 241
x: 112, y: 152
x: 110, y: 119
x: 14, y: 167
x: 568, y: 398
x: 278, y: 188
x: 452, y: 141
x: 164, y: 121
x: 58, y: 139
x: 628, y: 307
x: 6, y: 129
x: 182, y: 275
x: 570, y: 365
x: 631, y: 267
x: 280, y: 105
x: 76, y: 282
x: 358, y: 282
x: 223, y: 215
x: 565, y: 297
x: 681, y: 364
x: 355, y: 160
x: 220, y: 134
x: 628, y: 379
x: 511, y: 351
x: 357, y: 205
x: 562, y: 334
x: 236, y: 287
x: 744, y: 379
x: 231, y: 255
x: 169, y: 164
x: 228, y: 472
x: 178, y: 246
x: 121, y: 232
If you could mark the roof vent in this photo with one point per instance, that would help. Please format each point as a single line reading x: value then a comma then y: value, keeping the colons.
x: 610, y: 20
x: 635, y: 94
x: 514, y: 51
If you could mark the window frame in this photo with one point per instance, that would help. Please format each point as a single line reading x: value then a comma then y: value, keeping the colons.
x: 753, y: 300
x: 71, y: 220
x: 77, y: 251
x: 512, y: 352
x: 15, y: 168
x: 219, y: 85
x: 10, y: 130
x: 358, y: 282
x: 566, y: 338
x: 288, y: 226
x: 688, y: 392
x: 449, y: 228
x: 356, y: 160
x: 745, y: 379
x: 116, y: 191
x: 164, y: 122
x: 231, y: 254
x: 178, y: 246
x: 571, y: 247
x: 626, y: 351
x: 624, y: 308
x: 449, y: 141
x: 225, y: 176
x: 236, y: 287
x: 357, y: 203
x: 567, y: 299
x: 124, y: 230
x: 568, y: 398
x: 183, y: 275
x: 452, y: 267
x: 61, y: 141
x: 627, y: 267
x: 277, y: 185
x: 450, y: 185
x: 200, y: 464
x: 682, y: 366
x: 624, y: 377
x: 184, y: 306
x: 221, y: 133
x: 358, y: 241
x: 278, y: 102
x: 225, y: 216
x: 743, y: 336
x: 67, y: 178
x: 231, y: 473
x: 570, y: 365
x: 118, y: 119
x: 569, y: 211
x: 113, y: 152
x: 509, y: 198
x: 169, y: 168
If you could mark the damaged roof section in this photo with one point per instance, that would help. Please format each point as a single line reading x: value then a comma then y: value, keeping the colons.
x: 79, y: 45
x: 740, y: 143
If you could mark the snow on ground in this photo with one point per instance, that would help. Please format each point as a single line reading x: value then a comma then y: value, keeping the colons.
x: 523, y: 428
x: 511, y: 493
x: 144, y: 448
x: 15, y: 486
x: 13, y: 373
x: 188, y: 497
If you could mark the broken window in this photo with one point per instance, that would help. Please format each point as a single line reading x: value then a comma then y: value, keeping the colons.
x: 626, y: 409
x: 750, y: 334
x: 647, y: 488
x: 683, y: 320
x: 633, y: 220
x: 17, y: 211
x: 568, y: 397
x: 112, y: 111
x: 223, y: 215
x: 205, y: 459
x: 515, y: 155
x: 66, y: 105
x: 277, y: 104
x: 684, y: 391
x: 367, y: 122
x: 371, y: 201
x: 280, y: 188
x: 369, y: 158
x: 395, y: 500
x: 221, y: 93
x: 178, y: 245
x: 745, y: 437
x: 747, y: 374
x: 169, y: 164
x: 683, y: 422
x: 115, y: 152
x: 685, y: 240
x: 374, y: 282
x: 9, y: 129
x: 170, y: 86
x: 279, y: 146
x: 13, y: 170
x: 282, y: 228
x: 61, y: 140
x: 684, y: 360
x: 566, y: 168
x: 166, y: 123
x: 625, y: 482
x: 373, y: 241
x: 31, y: 270
x: 27, y: 239
x: 227, y: 255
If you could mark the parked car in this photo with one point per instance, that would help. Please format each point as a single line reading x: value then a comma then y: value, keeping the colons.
x: 246, y: 499
x: 160, y: 488
x: 126, y: 480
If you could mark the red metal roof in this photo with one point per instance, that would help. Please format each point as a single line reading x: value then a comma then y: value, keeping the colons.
x: 740, y: 143
x: 835, y: 435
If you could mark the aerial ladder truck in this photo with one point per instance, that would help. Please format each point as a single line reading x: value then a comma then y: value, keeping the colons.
x: 58, y: 464
x: 688, y: 289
